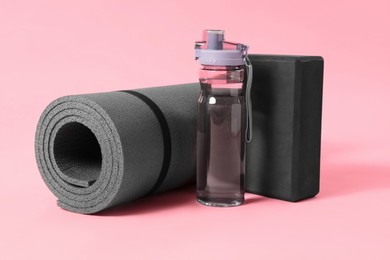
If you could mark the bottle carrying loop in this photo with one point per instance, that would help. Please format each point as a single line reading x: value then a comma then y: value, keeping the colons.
x: 249, y: 77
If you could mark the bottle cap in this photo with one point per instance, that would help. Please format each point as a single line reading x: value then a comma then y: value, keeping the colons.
x: 214, y: 50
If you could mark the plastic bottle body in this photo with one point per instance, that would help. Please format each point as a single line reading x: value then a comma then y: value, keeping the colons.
x: 221, y: 136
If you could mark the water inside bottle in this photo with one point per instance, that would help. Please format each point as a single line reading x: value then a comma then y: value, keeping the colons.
x: 221, y: 145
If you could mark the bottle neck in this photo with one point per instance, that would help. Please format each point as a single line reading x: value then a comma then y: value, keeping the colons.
x: 222, y: 76
x: 209, y: 90
x: 221, y: 68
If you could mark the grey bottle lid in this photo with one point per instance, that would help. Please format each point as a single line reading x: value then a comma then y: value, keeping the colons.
x: 215, y: 51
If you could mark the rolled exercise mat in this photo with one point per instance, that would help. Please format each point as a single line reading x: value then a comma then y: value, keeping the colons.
x: 95, y: 151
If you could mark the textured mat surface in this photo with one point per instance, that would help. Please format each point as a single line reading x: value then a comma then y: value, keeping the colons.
x: 95, y: 151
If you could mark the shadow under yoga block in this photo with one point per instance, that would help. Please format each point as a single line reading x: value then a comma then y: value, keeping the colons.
x: 283, y: 158
x: 96, y: 151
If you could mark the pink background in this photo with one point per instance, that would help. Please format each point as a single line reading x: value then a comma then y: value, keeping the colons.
x: 54, y: 48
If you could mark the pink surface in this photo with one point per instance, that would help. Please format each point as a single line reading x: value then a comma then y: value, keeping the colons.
x: 54, y: 48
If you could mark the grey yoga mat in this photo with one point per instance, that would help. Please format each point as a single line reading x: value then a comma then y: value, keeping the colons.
x: 95, y: 151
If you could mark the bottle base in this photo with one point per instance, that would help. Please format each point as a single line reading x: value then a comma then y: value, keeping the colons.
x: 220, y: 202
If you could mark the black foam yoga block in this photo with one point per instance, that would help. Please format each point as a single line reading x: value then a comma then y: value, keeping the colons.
x: 283, y: 158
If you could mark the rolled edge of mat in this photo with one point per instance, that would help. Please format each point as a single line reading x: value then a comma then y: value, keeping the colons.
x: 78, y: 114
x: 89, y: 177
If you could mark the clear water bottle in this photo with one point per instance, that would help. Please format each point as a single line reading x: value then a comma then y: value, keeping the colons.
x: 224, y: 120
